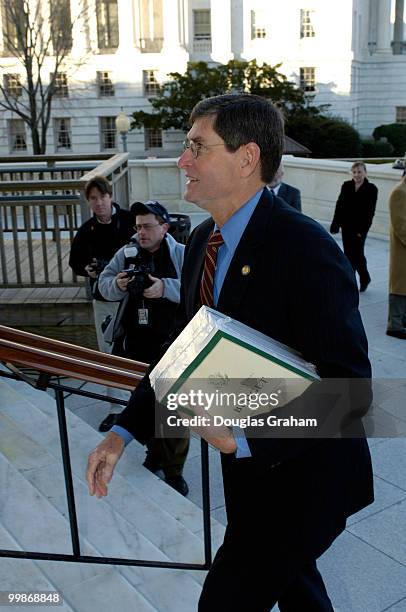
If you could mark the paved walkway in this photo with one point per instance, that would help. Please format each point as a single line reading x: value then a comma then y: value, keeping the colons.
x: 365, y: 570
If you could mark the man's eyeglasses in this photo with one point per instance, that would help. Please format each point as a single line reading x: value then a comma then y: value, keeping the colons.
x: 146, y: 226
x: 196, y: 148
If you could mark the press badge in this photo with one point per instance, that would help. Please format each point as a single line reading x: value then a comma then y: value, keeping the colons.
x: 143, y: 316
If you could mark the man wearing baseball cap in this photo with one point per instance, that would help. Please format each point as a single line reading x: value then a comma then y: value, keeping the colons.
x: 144, y: 276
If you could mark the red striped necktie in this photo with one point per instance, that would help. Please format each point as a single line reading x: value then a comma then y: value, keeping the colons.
x: 207, y: 285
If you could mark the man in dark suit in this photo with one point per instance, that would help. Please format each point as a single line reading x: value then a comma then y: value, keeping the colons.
x: 290, y: 194
x: 286, y: 499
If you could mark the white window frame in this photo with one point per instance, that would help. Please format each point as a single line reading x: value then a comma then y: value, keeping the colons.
x: 258, y: 29
x: 204, y: 34
x: 17, y: 135
x: 12, y: 85
x: 306, y: 23
x: 105, y: 85
x: 61, y: 85
x: 400, y: 114
x: 153, y: 138
x: 59, y: 133
x: 107, y: 131
x: 308, y: 79
x: 151, y: 87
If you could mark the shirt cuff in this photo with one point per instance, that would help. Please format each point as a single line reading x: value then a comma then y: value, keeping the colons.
x: 243, y: 450
x: 123, y: 433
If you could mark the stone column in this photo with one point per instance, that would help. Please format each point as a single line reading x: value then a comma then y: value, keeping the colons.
x: 221, y: 31
x: 383, y: 42
x: 373, y: 26
x: 174, y: 55
x: 171, y: 22
x: 398, y: 30
x: 125, y: 25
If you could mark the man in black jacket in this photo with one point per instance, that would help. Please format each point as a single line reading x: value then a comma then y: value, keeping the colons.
x: 354, y: 212
x: 95, y: 243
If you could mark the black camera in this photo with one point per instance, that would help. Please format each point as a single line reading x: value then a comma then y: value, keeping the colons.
x: 99, y: 265
x: 139, y: 274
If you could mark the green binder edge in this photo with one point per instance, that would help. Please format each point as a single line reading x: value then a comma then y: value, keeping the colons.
x: 212, y: 343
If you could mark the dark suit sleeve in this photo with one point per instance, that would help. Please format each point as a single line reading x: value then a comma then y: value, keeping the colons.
x: 294, y: 198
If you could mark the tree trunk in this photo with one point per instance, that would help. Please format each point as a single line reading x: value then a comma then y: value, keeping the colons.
x: 37, y: 149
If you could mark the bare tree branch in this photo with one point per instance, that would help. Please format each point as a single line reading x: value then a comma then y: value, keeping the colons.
x: 40, y: 43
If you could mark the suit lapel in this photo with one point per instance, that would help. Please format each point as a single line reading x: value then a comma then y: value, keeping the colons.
x: 244, y: 265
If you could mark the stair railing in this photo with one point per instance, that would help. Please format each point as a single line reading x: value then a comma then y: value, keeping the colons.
x: 53, y: 358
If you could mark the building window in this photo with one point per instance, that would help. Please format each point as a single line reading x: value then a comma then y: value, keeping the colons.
x: 12, y: 85
x: 153, y: 138
x: 15, y: 19
x: 401, y: 114
x: 63, y: 137
x: 201, y: 30
x: 105, y: 84
x: 61, y: 85
x: 151, y: 85
x: 258, y: 29
x: 17, y: 136
x: 306, y: 26
x: 108, y: 133
x: 308, y: 79
x: 61, y: 26
x: 107, y: 24
x: 151, y: 20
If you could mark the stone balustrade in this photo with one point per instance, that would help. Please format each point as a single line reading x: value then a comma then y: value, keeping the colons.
x: 319, y: 181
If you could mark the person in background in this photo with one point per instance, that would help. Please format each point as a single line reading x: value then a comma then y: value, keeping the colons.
x: 290, y: 194
x: 353, y: 214
x: 95, y: 243
x: 144, y: 277
x: 397, y: 270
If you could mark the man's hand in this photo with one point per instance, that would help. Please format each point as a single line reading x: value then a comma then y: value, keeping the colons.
x: 101, y: 463
x: 156, y: 290
x: 90, y: 269
x: 122, y: 280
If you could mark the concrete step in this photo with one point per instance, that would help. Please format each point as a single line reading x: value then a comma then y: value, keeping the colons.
x: 35, y: 524
x: 129, y: 523
x: 17, y: 575
x: 130, y: 467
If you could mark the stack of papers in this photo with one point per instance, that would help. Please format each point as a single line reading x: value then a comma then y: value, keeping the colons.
x: 217, y: 355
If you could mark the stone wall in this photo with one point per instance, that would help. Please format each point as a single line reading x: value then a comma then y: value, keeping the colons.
x: 319, y: 181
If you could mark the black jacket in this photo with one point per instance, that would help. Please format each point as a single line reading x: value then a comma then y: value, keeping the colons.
x: 291, y: 195
x: 99, y: 240
x: 355, y: 209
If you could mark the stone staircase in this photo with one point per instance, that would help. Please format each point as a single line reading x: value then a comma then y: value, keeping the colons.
x: 142, y: 518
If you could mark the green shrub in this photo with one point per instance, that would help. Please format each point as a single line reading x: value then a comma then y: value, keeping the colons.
x: 396, y: 135
x: 376, y: 148
x: 325, y: 136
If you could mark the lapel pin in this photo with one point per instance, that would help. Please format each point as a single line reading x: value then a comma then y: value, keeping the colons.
x: 245, y: 270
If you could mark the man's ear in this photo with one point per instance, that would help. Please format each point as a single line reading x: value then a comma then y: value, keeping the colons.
x: 251, y: 155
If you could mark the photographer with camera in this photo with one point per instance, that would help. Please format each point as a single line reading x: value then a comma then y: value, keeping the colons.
x: 95, y: 243
x: 145, y: 276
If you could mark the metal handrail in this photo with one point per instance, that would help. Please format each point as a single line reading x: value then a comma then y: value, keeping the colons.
x: 44, y: 382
